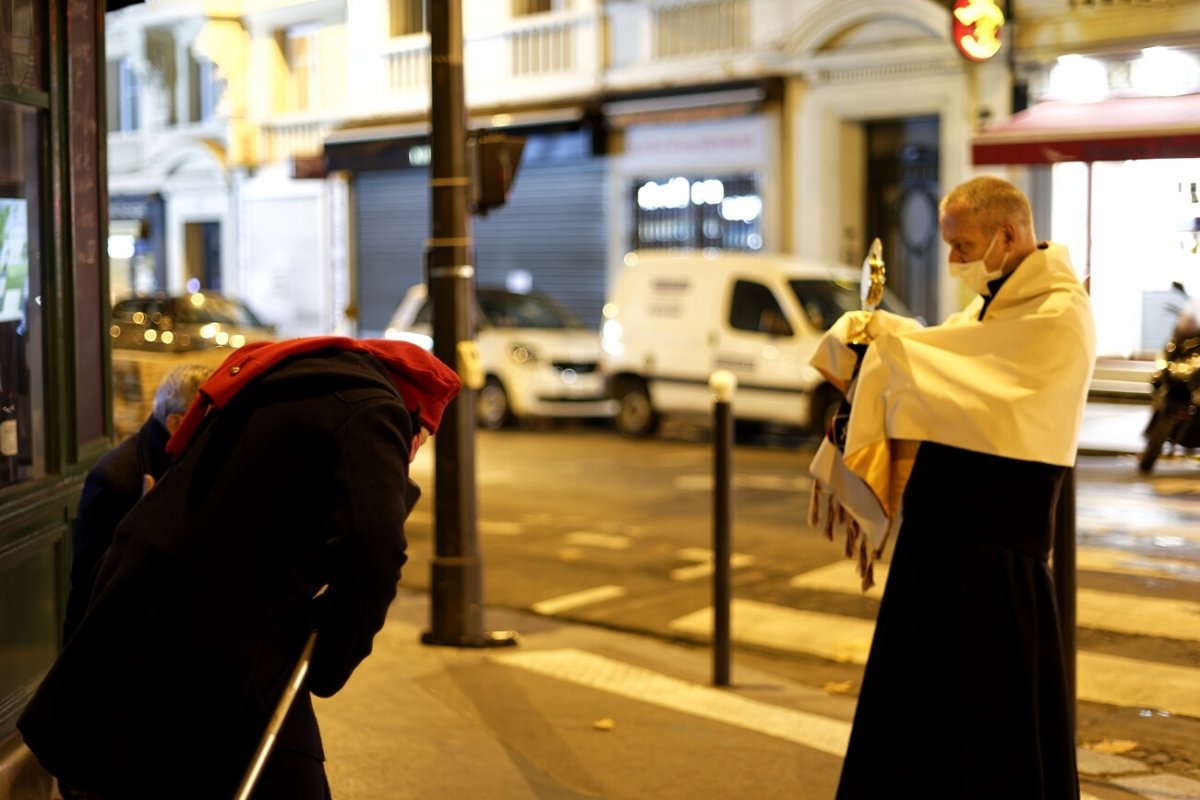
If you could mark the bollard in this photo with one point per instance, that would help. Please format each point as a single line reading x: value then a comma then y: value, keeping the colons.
x: 1064, y: 579
x: 722, y: 383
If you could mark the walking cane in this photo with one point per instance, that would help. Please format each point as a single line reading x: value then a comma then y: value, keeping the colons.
x: 281, y: 709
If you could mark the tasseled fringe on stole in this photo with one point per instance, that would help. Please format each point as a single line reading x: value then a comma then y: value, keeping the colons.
x: 822, y: 505
x: 814, y: 506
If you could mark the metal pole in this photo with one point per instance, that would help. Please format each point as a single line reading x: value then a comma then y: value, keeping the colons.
x: 1064, y: 579
x: 456, y: 575
x: 723, y: 383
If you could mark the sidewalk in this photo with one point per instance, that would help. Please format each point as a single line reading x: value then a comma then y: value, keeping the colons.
x: 1112, y: 427
x: 577, y: 711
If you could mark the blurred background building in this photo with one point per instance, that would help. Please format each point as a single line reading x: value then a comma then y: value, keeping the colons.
x: 278, y: 151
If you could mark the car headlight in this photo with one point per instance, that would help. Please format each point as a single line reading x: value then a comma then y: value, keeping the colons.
x: 522, y: 354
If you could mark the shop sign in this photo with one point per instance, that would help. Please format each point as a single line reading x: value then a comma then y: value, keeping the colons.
x: 976, y: 28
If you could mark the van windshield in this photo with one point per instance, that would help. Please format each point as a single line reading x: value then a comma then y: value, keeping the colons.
x: 826, y: 300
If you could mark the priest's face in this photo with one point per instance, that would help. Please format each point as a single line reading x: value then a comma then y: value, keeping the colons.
x: 968, y: 240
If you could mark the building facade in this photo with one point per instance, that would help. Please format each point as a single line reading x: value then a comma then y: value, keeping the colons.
x: 284, y: 146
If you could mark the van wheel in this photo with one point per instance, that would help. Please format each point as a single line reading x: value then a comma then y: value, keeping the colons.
x: 824, y: 405
x: 635, y: 414
x: 491, y: 406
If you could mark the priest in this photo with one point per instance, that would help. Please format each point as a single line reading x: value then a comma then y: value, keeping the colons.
x: 959, y: 435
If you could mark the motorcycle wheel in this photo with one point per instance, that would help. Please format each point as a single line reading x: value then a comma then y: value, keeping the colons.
x: 1157, y: 433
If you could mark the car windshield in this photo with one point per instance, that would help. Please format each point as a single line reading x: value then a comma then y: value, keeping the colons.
x: 826, y: 300
x: 213, y: 308
x: 509, y: 310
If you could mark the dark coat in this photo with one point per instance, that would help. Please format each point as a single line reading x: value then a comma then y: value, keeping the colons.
x: 967, y: 642
x: 109, y: 491
x: 206, y: 595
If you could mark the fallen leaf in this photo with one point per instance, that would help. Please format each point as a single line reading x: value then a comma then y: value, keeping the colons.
x: 605, y: 724
x: 1112, y: 747
x: 836, y: 687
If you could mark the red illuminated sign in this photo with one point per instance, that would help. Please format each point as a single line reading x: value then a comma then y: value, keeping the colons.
x: 977, y: 25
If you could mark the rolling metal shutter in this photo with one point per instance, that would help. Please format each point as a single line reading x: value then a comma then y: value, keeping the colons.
x: 554, y: 227
x: 391, y: 224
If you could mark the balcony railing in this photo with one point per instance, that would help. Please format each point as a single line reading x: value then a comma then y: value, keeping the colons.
x: 696, y: 28
x: 543, y: 50
x: 406, y: 65
x: 282, y: 138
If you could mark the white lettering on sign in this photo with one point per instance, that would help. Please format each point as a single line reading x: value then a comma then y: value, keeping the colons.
x: 738, y: 141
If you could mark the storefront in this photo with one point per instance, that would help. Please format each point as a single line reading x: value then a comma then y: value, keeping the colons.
x: 55, y: 418
x: 695, y: 170
x: 1119, y: 174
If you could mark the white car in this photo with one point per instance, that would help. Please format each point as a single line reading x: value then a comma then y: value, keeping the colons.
x: 539, y: 359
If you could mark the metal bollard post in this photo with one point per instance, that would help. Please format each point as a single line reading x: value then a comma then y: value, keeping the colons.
x: 722, y: 383
x: 1064, y: 579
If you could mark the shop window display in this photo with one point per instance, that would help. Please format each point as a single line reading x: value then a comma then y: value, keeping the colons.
x: 21, y: 413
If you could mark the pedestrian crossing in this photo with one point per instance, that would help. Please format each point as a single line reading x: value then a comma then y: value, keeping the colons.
x: 1165, y: 688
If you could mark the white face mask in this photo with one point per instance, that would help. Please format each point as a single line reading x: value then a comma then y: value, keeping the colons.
x: 975, y: 274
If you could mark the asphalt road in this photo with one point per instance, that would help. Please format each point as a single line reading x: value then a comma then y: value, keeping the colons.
x: 576, y: 522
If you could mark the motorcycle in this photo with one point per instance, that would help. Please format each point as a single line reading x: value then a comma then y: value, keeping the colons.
x: 1175, y: 392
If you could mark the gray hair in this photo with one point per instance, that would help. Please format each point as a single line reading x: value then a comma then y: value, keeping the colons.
x: 176, y: 390
x: 989, y: 202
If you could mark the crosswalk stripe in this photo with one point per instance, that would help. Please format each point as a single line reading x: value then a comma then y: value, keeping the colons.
x: 1149, y: 616
x: 1124, y: 562
x: 843, y: 639
x: 1101, y: 678
x: 586, y: 597
x: 1129, y: 682
x: 635, y: 683
x: 1159, y: 787
x: 1105, y: 611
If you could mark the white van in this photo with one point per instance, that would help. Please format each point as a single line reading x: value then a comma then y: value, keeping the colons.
x: 674, y: 318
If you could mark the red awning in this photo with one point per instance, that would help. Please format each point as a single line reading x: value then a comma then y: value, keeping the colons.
x: 1109, y: 130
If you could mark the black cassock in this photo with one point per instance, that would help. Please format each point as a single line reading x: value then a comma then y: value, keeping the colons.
x: 964, y: 694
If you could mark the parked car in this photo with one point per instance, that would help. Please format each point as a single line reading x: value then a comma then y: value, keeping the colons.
x: 539, y: 359
x: 675, y: 318
x: 191, y: 321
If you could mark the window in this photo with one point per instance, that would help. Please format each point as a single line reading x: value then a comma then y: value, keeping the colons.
x: 22, y: 439
x: 754, y: 308
x: 124, y: 96
x: 206, y: 89
x: 406, y: 17
x: 715, y: 211
x: 300, y: 51
x: 523, y: 8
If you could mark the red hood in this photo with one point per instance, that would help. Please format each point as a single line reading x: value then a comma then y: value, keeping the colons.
x: 424, y: 382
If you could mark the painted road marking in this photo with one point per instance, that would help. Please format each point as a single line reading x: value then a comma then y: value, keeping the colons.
x: 586, y: 597
x: 625, y: 680
x: 706, y: 560
x: 1162, y: 787
x: 1101, y: 678
x: 842, y: 639
x: 498, y: 528
x: 1126, y: 562
x: 604, y: 541
x: 703, y: 482
x: 1103, y: 611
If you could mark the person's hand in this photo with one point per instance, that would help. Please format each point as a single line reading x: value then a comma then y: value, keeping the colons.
x: 147, y: 484
x: 419, y: 438
x: 881, y: 322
